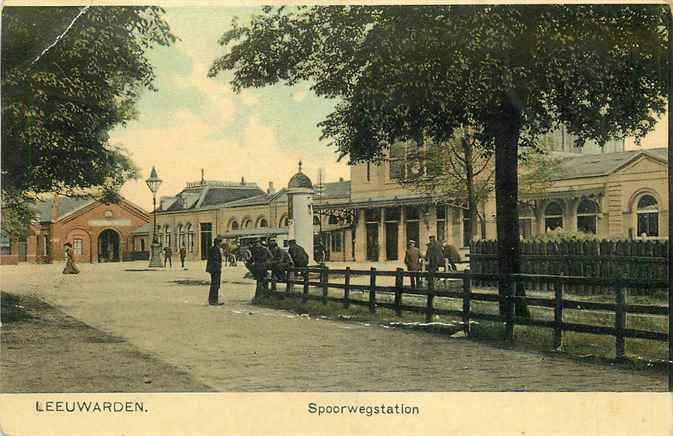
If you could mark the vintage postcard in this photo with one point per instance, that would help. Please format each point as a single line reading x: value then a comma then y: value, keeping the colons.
x: 234, y: 218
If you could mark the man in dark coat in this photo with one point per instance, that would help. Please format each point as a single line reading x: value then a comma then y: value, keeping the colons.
x: 214, y: 267
x: 259, y: 265
x: 298, y: 254
x: 412, y: 259
x: 451, y: 256
x: 434, y: 255
x: 280, y: 262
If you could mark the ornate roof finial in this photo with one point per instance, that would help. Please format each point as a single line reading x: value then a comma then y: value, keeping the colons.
x: 300, y: 166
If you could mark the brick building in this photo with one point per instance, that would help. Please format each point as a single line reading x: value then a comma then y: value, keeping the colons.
x: 99, y: 232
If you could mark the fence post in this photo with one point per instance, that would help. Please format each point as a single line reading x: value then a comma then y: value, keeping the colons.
x: 289, y: 283
x: 558, y: 314
x: 304, y: 297
x: 372, y: 290
x: 467, y: 290
x: 324, y: 273
x: 509, y: 309
x: 620, y: 321
x: 399, y: 280
x: 347, y: 287
x: 429, y: 310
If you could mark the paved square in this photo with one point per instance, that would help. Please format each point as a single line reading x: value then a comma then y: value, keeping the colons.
x: 240, y: 347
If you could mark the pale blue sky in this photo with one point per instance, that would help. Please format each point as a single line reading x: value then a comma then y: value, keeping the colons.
x: 195, y: 122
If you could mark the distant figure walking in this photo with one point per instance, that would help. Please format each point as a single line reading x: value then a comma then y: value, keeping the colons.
x: 70, y: 267
x: 214, y: 267
x: 168, y: 253
x: 412, y: 259
x: 183, y: 254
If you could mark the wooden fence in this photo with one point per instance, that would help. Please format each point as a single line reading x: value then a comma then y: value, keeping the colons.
x: 462, y: 290
x: 606, y: 260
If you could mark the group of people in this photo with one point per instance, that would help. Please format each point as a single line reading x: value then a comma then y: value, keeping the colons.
x: 436, y: 255
x: 259, y: 259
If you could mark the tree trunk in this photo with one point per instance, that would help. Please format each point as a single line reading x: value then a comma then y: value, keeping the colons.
x: 471, y: 198
x: 506, y: 134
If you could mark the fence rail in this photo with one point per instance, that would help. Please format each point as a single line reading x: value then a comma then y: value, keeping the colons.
x: 462, y: 288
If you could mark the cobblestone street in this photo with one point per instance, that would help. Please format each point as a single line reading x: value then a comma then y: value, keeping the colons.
x: 240, y: 347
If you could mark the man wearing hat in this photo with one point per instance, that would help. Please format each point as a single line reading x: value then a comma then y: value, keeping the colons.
x: 297, y: 253
x: 214, y: 267
x: 280, y: 262
x: 412, y: 259
x: 259, y: 265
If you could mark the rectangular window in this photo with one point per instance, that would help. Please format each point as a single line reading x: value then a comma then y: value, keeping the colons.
x: 337, y: 241
x: 586, y: 224
x: 77, y: 246
x: 372, y: 215
x: 392, y: 214
x: 648, y: 224
x: 396, y: 162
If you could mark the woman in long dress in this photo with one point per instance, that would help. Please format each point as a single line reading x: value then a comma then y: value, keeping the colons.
x: 70, y: 267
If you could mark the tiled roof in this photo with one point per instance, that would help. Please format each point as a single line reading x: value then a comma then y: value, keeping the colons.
x: 594, y: 165
x: 66, y: 205
x: 205, y: 196
x: 341, y: 189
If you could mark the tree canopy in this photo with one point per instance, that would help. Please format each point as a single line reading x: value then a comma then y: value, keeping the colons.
x: 70, y: 75
x: 509, y: 72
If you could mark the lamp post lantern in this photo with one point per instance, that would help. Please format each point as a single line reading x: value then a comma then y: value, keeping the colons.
x: 153, y: 183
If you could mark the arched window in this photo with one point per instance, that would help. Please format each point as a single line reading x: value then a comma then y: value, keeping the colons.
x: 233, y: 225
x: 261, y: 223
x: 247, y: 223
x: 190, y: 238
x: 332, y: 219
x: 587, y: 216
x: 553, y: 216
x: 648, y: 216
x: 283, y: 221
x: 167, y: 236
x: 316, y: 220
x: 181, y: 235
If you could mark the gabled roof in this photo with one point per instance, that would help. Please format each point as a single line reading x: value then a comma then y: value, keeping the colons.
x: 595, y: 165
x: 66, y: 206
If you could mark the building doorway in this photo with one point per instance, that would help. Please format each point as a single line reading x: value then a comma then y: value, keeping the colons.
x: 206, y: 239
x: 22, y: 249
x: 372, y: 242
x: 391, y: 240
x: 108, y: 246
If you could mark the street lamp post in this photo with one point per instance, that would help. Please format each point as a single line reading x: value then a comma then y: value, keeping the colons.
x: 153, y: 183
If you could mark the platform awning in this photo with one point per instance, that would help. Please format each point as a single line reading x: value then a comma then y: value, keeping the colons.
x: 254, y: 233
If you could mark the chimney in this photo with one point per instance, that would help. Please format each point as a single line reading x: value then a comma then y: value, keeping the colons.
x: 203, y: 177
x: 242, y: 181
x: 54, y: 208
x: 270, y: 189
x: 341, y: 179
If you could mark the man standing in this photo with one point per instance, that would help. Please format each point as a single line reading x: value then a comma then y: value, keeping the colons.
x: 434, y: 255
x: 167, y: 256
x: 214, y: 267
x: 412, y: 259
x: 183, y: 254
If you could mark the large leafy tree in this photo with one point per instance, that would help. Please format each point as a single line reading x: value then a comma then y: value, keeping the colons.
x: 70, y: 75
x: 512, y: 72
